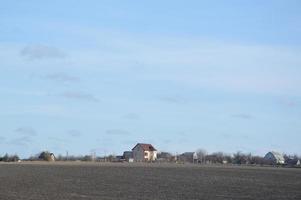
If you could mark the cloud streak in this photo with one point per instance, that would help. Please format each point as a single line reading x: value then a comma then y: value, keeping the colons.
x: 289, y: 103
x: 243, y: 116
x: 117, y: 132
x: 26, y: 131
x: 21, y: 141
x: 79, y: 96
x: 36, y: 52
x: 172, y: 99
x: 62, y: 77
x: 131, y: 116
x: 74, y: 133
x: 2, y: 139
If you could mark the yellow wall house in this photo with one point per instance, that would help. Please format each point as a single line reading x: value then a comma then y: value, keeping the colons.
x: 144, y: 152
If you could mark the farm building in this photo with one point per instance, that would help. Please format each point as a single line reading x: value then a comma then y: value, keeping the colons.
x: 274, y: 158
x: 52, y: 157
x: 47, y: 156
x: 191, y: 157
x: 144, y: 152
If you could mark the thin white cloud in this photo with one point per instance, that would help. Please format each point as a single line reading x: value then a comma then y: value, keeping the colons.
x: 205, y: 64
x: 208, y: 64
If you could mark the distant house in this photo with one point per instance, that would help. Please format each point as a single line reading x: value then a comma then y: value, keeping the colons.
x: 128, y: 156
x: 165, y: 156
x: 144, y: 152
x: 274, y: 158
x: 118, y: 158
x: 292, y: 162
x: 191, y: 157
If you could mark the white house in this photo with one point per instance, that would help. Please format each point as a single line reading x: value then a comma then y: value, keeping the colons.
x: 274, y: 158
x: 144, y: 152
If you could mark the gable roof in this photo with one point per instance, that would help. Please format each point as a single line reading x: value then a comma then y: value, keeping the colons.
x: 145, y: 147
x: 188, y: 153
x: 278, y: 156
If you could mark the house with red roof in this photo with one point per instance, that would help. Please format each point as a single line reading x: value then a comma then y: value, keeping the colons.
x: 144, y: 152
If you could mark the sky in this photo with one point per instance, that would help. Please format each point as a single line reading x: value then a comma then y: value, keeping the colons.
x: 101, y: 76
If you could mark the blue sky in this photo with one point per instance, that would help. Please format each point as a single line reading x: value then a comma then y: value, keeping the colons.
x: 103, y: 75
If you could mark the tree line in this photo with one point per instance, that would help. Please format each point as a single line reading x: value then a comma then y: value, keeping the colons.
x: 203, y: 157
x: 238, y: 158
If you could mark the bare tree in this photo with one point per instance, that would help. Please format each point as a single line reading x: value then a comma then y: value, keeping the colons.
x: 239, y: 158
x: 10, y: 158
x: 201, y: 153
